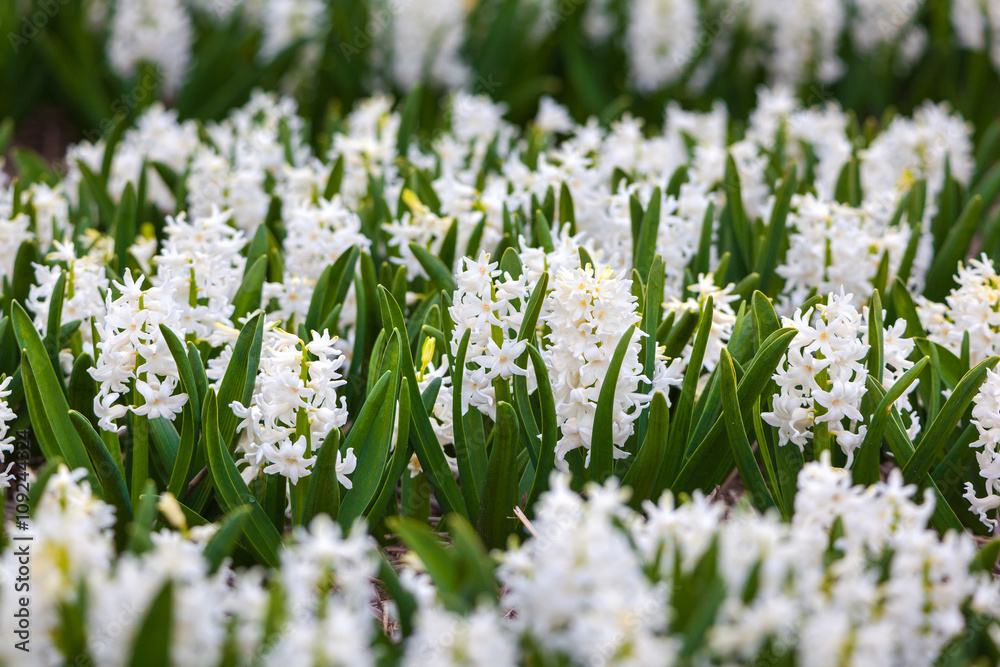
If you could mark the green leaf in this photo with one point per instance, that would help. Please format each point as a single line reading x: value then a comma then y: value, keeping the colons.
x: 115, y: 491
x: 986, y: 558
x: 876, y: 336
x: 534, y: 308
x: 241, y: 374
x: 937, y: 436
x: 645, y: 248
x: 224, y: 540
x: 125, y: 227
x: 191, y: 411
x: 51, y: 407
x: 152, y: 642
x: 409, y: 118
x: 47, y: 441
x: 82, y: 387
x: 904, y: 308
x: 440, y: 274
x: 323, y: 495
x: 432, y: 553
x: 247, y: 297
x: 944, y: 518
x: 428, y: 449
x: 105, y: 207
x: 644, y: 472
x: 500, y: 492
x: 685, y: 405
x: 370, y: 437
x: 737, y: 214
x: 466, y: 472
x: 602, y: 443
x: 335, y: 179
x: 232, y: 491
x: 54, y: 320
x: 542, y: 231
x: 567, y: 216
x: 746, y: 463
x: 711, y: 461
x: 768, y: 261
x: 400, y: 457
x: 956, y: 247
x: 765, y: 319
x: 549, y: 432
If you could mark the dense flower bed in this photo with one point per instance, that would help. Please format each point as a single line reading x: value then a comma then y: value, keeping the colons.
x: 690, y: 391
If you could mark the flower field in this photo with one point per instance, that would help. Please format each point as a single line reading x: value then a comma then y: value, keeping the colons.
x: 509, y: 332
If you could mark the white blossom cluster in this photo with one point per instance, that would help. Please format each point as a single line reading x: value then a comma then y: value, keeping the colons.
x: 154, y: 32
x: 133, y: 355
x: 202, y: 259
x: 596, y: 581
x: 426, y: 42
x: 856, y: 573
x: 296, y: 385
x: 667, y: 44
x: 492, y: 311
x: 6, y: 441
x: 658, y: 57
x: 833, y: 246
x: 822, y: 378
x: 972, y: 308
x: 83, y: 295
x: 158, y: 137
x: 986, y: 417
x: 918, y: 148
x: 588, y: 313
x: 977, y: 25
x: 723, y: 318
x: 324, y: 579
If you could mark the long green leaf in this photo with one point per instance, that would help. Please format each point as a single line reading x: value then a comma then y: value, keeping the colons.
x: 232, y: 491
x: 936, y: 438
x: 241, y: 374
x: 428, y: 448
x: 500, y: 492
x: 602, y: 442
x: 115, y: 491
x: 370, y: 437
x: 52, y: 408
x: 750, y: 474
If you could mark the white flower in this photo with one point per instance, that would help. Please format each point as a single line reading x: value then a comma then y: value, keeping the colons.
x: 158, y: 398
x: 289, y: 459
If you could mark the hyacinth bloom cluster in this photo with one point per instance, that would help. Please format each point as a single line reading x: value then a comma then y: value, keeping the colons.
x: 596, y: 578
x: 492, y: 311
x: 972, y: 309
x: 834, y: 245
x: 588, y: 312
x: 6, y: 440
x: 723, y: 320
x: 293, y: 408
x: 593, y: 578
x: 986, y: 417
x: 86, y: 283
x: 822, y: 379
x: 202, y: 258
x: 319, y: 231
x: 133, y: 354
x: 324, y: 576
